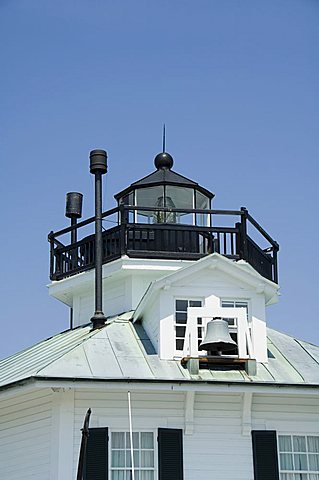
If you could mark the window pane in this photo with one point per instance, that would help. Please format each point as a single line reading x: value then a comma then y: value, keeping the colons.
x: 180, y: 196
x: 147, y: 475
x: 285, y: 443
x: 179, y: 344
x: 180, y: 331
x: 299, y: 444
x: 301, y: 462
x: 314, y: 462
x: 230, y: 321
x: 118, y: 458
x: 313, y: 444
x: 313, y: 476
x: 195, y: 303
x: 286, y: 461
x: 135, y: 440
x: 202, y: 202
x: 181, y: 318
x: 227, y: 304
x: 118, y: 440
x: 241, y: 305
x: 129, y: 458
x: 181, y: 305
x: 147, y: 458
x: 129, y: 475
x: 149, y: 197
x: 118, y: 475
x: 147, y: 440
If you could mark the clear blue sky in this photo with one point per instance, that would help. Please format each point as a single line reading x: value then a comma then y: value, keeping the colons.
x: 237, y: 83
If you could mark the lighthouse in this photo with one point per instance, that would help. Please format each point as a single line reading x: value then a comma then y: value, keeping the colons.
x: 168, y: 347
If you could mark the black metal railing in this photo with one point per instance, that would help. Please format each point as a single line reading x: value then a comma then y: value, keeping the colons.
x: 166, y: 240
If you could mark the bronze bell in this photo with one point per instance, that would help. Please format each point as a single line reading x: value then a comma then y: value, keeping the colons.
x: 217, y: 338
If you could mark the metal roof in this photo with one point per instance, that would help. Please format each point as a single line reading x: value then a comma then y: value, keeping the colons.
x: 161, y: 177
x: 121, y: 351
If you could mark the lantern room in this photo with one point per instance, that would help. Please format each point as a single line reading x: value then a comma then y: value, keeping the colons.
x: 165, y: 196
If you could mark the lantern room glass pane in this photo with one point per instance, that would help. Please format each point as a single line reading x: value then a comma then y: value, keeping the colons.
x: 202, y: 203
x: 149, y: 197
x: 127, y: 200
x: 183, y: 198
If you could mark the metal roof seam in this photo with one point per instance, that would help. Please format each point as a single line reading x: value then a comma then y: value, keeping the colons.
x: 302, y: 346
x: 288, y: 361
x: 113, y: 351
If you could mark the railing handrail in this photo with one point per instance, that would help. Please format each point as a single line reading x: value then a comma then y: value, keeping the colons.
x: 262, y: 231
x: 122, y: 222
x: 121, y: 208
x: 81, y: 224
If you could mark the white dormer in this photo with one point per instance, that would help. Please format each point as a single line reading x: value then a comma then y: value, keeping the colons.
x: 176, y: 309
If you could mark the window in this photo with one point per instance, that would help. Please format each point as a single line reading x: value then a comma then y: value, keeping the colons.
x: 181, y: 321
x: 298, y: 457
x: 144, y: 457
x: 232, y: 322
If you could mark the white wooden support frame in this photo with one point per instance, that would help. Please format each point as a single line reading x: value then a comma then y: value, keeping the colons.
x: 245, y: 345
x: 246, y: 413
x: 62, y: 434
x: 189, y: 412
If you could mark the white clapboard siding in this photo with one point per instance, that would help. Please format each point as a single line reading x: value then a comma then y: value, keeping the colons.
x: 286, y: 413
x: 25, y: 436
x: 216, y: 445
x: 114, y: 302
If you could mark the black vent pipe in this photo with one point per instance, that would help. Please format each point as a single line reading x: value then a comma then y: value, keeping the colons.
x: 98, y: 166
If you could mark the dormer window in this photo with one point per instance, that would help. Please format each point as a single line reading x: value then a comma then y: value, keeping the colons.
x: 232, y: 322
x: 181, y: 306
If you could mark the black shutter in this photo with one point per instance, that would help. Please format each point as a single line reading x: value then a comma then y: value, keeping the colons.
x: 265, y: 455
x: 170, y: 454
x: 96, y: 464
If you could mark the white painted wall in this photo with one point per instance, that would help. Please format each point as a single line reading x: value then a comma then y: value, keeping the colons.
x: 25, y: 436
x: 40, y: 431
x: 287, y: 413
x: 217, y: 429
x: 122, y: 292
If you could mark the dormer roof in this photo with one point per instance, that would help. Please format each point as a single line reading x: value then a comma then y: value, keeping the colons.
x: 241, y: 271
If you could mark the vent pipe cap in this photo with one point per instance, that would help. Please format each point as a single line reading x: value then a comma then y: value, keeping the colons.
x: 98, y: 161
x: 73, y: 205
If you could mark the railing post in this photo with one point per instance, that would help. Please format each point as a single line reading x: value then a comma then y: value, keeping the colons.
x: 123, y: 222
x: 243, y: 252
x: 275, y: 262
x: 50, y: 238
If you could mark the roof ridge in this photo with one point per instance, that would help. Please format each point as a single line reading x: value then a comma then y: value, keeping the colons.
x: 82, y: 340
